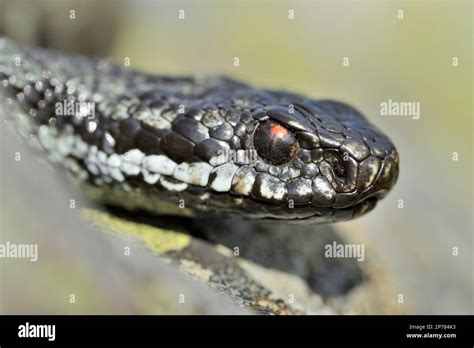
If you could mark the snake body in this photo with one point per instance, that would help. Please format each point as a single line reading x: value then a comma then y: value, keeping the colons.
x: 204, y: 146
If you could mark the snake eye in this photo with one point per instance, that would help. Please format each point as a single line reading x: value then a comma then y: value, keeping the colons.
x: 274, y: 143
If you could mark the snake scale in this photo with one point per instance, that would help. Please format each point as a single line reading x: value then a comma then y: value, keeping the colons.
x: 195, y: 146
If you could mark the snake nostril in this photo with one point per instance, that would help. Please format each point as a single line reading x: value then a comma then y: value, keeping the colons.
x: 339, y: 170
x: 337, y: 164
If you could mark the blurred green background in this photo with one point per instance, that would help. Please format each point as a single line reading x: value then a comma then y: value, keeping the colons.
x: 407, y: 59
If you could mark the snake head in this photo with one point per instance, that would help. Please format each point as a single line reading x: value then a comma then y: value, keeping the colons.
x: 223, y: 147
x: 322, y: 155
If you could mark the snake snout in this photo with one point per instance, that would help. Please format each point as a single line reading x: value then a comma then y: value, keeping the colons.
x: 380, y: 174
x: 355, y: 173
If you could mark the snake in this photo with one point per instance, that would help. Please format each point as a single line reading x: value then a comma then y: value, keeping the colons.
x: 199, y: 146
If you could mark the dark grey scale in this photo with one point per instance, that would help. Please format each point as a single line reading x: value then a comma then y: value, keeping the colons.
x: 61, y: 120
x: 126, y: 130
x: 298, y: 163
x: 96, y: 137
x: 369, y: 139
x: 370, y: 135
x: 240, y: 129
x: 351, y: 172
x: 300, y: 191
x: 49, y: 93
x: 311, y: 111
x: 232, y: 117
x: 32, y: 94
x: 309, y: 170
x: 222, y: 132
x: 333, y: 127
x: 260, y: 115
x: 376, y: 149
x: 294, y: 173
x: 317, y: 155
x: 176, y: 147
x: 326, y: 170
x: 235, y: 143
x: 189, y: 129
x: 344, y: 200
x: 386, y: 178
x: 156, y: 131
x: 296, y: 120
x: 263, y: 179
x: 385, y: 144
x: 128, y: 127
x: 322, y: 195
x: 113, y: 127
x: 45, y: 111
x: 256, y: 106
x: 212, y: 119
x: 135, y: 109
x: 356, y: 148
x: 326, y: 116
x: 285, y: 173
x: 368, y: 170
x: 7, y: 88
x: 223, y: 110
x: 208, y: 148
x: 30, y: 99
x: 304, y: 155
x: 149, y: 96
x: 209, y: 105
x: 274, y: 170
x: 192, y: 112
x: 246, y: 138
x: 329, y: 139
x: 250, y: 127
x: 308, y: 140
x: 194, y: 158
x: 351, y: 133
x: 170, y: 113
x: 155, y: 103
x: 147, y: 142
x: 223, y: 104
x: 123, y: 99
x: 246, y: 117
